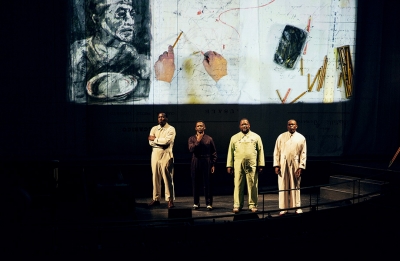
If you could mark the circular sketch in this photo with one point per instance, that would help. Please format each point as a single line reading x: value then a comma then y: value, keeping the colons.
x: 111, y: 86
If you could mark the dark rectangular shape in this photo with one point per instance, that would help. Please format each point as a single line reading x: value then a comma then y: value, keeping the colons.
x: 290, y: 46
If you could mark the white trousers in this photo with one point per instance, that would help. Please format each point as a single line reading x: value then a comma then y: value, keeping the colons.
x: 162, y: 167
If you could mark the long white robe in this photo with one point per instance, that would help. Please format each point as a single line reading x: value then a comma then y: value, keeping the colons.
x: 290, y: 154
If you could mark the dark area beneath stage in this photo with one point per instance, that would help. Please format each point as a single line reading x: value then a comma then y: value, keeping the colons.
x: 72, y: 209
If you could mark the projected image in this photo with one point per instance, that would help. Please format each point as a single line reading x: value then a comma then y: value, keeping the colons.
x: 110, y: 63
x: 215, y: 52
x: 290, y: 46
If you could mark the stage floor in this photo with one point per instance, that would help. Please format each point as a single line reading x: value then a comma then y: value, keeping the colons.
x: 222, y: 209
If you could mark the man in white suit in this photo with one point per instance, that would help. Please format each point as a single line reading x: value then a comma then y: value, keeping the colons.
x: 161, y: 139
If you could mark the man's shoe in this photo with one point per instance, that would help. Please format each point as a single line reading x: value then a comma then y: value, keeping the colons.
x: 236, y: 210
x: 196, y: 206
x: 171, y: 204
x: 154, y: 203
x: 209, y: 208
x: 299, y: 211
x: 283, y: 212
x: 254, y: 209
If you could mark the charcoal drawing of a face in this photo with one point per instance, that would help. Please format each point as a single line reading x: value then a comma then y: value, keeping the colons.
x: 110, y: 40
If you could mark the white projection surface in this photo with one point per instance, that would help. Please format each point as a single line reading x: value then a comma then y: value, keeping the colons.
x: 249, y: 34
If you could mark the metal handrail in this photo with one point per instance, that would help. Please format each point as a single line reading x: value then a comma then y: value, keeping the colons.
x: 355, y: 196
x: 189, y: 220
x: 312, y: 205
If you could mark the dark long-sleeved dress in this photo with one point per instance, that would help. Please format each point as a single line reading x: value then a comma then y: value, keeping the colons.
x: 203, y: 158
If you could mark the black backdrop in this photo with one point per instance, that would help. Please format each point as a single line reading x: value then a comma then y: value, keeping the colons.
x: 38, y: 123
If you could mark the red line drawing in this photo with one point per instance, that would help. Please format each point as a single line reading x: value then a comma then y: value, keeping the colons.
x: 308, y: 30
x: 220, y: 20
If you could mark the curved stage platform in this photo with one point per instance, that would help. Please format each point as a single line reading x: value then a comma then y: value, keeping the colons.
x: 352, y: 215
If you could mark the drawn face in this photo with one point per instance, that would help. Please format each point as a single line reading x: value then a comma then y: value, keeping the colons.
x: 118, y: 20
x: 292, y: 126
x: 244, y: 126
x: 200, y: 127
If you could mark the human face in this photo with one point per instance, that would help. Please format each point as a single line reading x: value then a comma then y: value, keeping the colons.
x: 118, y: 20
x: 244, y: 126
x: 292, y: 126
x: 162, y: 119
x: 200, y: 127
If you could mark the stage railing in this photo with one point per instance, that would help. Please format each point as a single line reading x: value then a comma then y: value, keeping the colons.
x: 316, y: 203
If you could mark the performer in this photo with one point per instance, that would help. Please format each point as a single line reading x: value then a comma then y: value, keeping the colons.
x: 204, y: 157
x: 161, y: 139
x: 290, y: 156
x: 246, y: 160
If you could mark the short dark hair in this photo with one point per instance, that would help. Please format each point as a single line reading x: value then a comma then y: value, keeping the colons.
x: 245, y: 119
x: 201, y: 122
x: 165, y: 114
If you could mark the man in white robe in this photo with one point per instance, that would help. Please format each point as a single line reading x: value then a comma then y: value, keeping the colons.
x: 290, y: 156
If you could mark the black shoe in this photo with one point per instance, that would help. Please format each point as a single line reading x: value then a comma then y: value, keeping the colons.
x: 171, y: 204
x: 154, y: 203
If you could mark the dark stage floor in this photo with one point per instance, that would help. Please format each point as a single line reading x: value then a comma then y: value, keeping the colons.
x: 222, y: 209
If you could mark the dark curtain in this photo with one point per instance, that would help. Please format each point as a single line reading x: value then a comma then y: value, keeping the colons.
x: 374, y: 125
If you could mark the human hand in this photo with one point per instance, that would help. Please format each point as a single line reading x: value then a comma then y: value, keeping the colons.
x: 199, y: 136
x: 277, y: 170
x: 229, y: 170
x: 151, y: 137
x: 212, y: 169
x: 165, y: 67
x: 298, y: 173
x: 215, y: 65
x: 260, y: 169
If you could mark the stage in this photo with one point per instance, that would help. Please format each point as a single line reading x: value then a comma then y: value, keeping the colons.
x: 113, y: 218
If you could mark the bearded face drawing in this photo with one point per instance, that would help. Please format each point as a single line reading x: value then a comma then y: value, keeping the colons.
x: 110, y: 64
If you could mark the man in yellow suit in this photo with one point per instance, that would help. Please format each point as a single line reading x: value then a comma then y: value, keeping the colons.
x: 245, y: 159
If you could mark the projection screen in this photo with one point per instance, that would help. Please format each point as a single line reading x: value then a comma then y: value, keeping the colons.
x: 276, y: 51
